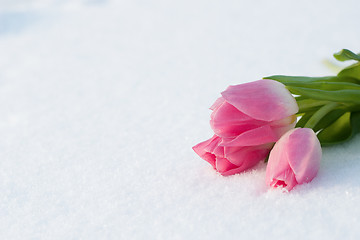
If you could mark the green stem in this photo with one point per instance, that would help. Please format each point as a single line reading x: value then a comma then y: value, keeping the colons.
x: 309, y: 104
x: 319, y: 114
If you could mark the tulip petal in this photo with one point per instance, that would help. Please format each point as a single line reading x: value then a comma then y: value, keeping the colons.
x: 252, y: 155
x: 266, y: 100
x: 228, y: 113
x: 205, y: 149
x: 231, y: 130
x: 212, y: 144
x: 285, y: 121
x: 232, y: 169
x: 257, y: 136
x: 228, y: 121
x: 223, y: 165
x: 278, y: 162
x: 281, y: 130
x: 286, y: 180
x: 217, y: 103
x: 235, y: 170
x: 304, y: 154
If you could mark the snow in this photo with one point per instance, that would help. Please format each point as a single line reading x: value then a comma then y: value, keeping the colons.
x: 101, y: 102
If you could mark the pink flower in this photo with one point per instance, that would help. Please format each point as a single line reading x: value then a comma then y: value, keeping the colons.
x: 247, y: 120
x: 231, y: 160
x: 254, y: 113
x: 295, y: 159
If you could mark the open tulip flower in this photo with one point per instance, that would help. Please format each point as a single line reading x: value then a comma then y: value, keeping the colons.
x: 247, y: 120
x: 231, y: 160
x: 295, y: 159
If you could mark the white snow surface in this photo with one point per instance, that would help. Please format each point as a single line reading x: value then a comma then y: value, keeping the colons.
x: 101, y: 102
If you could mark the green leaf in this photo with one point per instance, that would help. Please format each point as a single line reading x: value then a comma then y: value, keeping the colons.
x: 329, y: 119
x: 343, y: 129
x: 346, y: 95
x: 301, y: 79
x: 325, y: 85
x: 355, y: 122
x: 285, y: 79
x: 299, y: 98
x: 307, y: 105
x: 337, y: 132
x: 345, y: 55
x: 352, y: 71
x: 320, y: 114
x: 304, y: 119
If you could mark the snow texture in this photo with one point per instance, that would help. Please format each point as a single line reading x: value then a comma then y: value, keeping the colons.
x: 101, y: 102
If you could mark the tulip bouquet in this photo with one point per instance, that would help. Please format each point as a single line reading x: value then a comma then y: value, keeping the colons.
x: 258, y: 121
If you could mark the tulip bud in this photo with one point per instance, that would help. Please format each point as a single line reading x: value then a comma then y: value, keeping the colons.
x: 263, y: 107
x: 295, y: 159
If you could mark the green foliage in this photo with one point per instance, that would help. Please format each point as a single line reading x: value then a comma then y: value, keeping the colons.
x: 346, y: 54
x: 343, y: 129
x: 329, y: 105
x: 352, y: 71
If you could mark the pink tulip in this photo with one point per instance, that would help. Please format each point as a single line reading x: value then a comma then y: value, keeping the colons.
x: 231, y: 160
x: 254, y: 113
x: 295, y: 159
x: 247, y: 120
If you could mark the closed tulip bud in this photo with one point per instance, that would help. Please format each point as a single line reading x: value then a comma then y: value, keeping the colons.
x: 295, y: 159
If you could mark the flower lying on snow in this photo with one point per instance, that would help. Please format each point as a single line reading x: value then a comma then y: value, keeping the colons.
x: 295, y: 159
x: 249, y: 118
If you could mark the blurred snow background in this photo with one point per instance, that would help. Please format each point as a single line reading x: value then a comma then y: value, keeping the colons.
x: 101, y: 102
